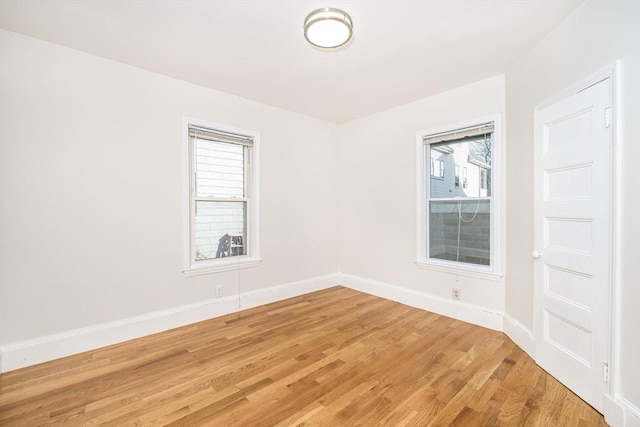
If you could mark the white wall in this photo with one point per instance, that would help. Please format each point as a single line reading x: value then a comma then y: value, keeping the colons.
x: 594, y: 36
x: 91, y: 184
x: 377, y: 193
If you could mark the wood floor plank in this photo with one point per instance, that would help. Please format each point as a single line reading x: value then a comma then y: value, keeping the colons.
x: 329, y: 358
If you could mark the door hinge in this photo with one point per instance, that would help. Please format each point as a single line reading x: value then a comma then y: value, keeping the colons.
x: 607, y: 117
x: 605, y: 371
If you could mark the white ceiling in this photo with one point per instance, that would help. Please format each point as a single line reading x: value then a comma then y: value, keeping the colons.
x: 402, y: 50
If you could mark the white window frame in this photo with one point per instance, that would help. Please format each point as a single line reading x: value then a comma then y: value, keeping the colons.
x: 252, y: 239
x: 494, y: 270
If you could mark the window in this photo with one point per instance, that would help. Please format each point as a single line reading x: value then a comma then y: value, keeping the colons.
x: 483, y: 178
x: 437, y: 168
x: 221, y: 221
x: 457, y: 177
x: 458, y: 222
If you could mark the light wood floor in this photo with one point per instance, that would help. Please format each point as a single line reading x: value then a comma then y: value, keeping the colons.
x: 330, y: 358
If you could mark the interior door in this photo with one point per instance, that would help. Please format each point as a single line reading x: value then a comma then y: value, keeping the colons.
x: 573, y: 199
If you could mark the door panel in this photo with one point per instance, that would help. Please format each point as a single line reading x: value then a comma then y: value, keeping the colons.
x: 572, y: 287
x: 571, y: 131
x: 570, y: 183
x: 570, y: 337
x: 572, y: 234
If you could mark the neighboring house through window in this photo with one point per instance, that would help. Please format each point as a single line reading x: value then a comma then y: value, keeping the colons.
x: 222, y: 220
x: 458, y: 222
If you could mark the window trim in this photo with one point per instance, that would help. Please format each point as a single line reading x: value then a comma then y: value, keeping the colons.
x: 252, y: 259
x: 494, y: 271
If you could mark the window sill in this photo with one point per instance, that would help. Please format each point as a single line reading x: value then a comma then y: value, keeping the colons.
x: 219, y: 266
x: 462, y: 270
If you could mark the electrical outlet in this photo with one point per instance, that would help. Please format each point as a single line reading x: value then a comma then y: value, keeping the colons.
x: 455, y: 294
x: 218, y: 291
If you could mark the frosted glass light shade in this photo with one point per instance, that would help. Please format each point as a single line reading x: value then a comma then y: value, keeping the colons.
x: 328, y: 28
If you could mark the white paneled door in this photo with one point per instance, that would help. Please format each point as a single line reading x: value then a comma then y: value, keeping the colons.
x: 572, y: 253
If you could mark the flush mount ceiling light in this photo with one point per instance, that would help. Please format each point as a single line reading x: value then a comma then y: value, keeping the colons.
x: 328, y: 28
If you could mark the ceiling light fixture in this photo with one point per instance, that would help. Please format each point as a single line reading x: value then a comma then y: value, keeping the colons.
x: 328, y: 28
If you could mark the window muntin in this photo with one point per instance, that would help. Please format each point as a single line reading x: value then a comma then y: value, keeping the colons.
x: 223, y: 199
x: 458, y: 221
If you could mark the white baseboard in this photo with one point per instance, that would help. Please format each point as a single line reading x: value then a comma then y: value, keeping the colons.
x: 619, y: 412
x: 42, y: 349
x: 289, y: 290
x: 467, y: 312
x: 519, y: 334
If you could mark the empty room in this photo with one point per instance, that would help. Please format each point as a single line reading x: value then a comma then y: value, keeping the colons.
x: 304, y: 213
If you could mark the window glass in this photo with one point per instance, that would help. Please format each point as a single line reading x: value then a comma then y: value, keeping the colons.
x: 460, y: 231
x: 220, y: 228
x: 458, y: 214
x: 474, y: 154
x: 219, y: 169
